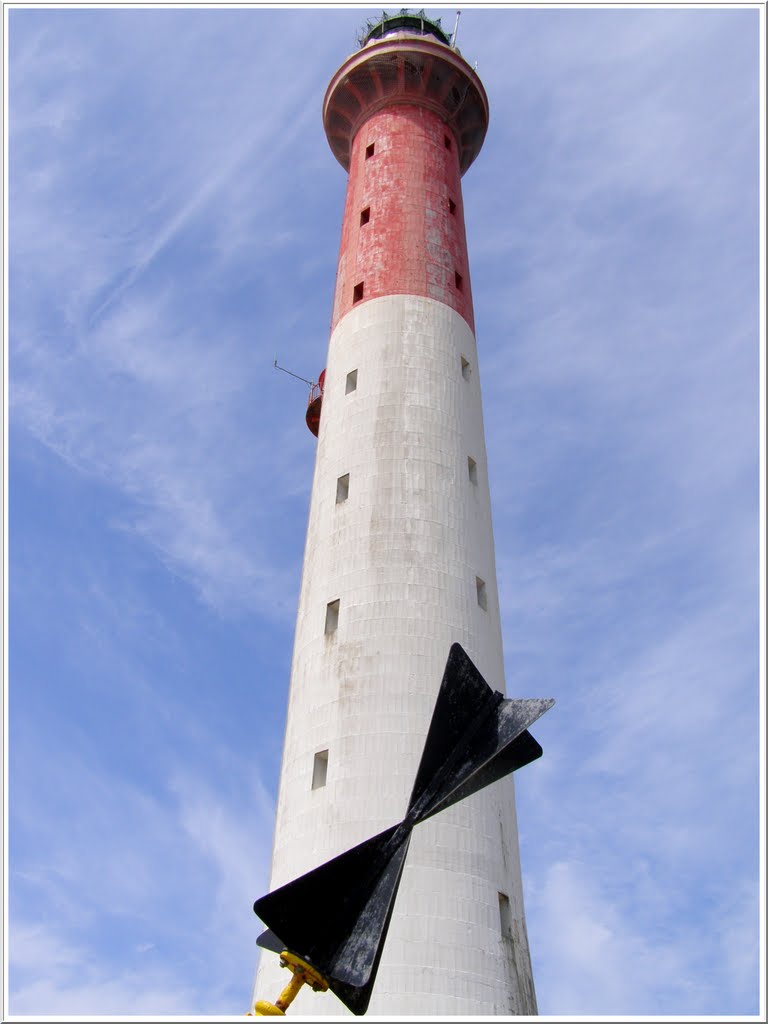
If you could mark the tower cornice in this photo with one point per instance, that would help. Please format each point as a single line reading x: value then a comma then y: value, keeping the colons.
x: 403, y: 69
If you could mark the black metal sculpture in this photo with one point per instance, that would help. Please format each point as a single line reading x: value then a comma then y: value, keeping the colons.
x: 332, y: 921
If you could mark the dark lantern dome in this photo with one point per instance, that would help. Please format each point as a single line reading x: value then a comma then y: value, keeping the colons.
x: 405, y: 21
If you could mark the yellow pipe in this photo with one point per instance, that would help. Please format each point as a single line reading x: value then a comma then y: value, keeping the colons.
x: 303, y: 974
x: 265, y: 1009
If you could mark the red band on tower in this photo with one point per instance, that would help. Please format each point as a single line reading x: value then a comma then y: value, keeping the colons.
x: 403, y: 230
x: 406, y: 116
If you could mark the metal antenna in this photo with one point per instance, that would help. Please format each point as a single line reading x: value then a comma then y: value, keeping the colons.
x: 455, y: 30
x: 311, y: 383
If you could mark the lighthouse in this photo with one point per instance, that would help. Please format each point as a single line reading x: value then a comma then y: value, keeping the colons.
x: 399, y: 559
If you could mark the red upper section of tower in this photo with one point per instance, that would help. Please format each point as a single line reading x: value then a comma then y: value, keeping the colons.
x: 403, y: 230
x: 406, y: 116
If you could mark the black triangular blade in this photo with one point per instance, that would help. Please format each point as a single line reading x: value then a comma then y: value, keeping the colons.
x: 518, y: 754
x: 336, y: 917
x: 356, y: 964
x: 473, y: 739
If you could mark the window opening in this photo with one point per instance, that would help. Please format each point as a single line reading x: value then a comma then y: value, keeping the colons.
x: 342, y: 488
x: 369, y: 150
x: 482, y: 594
x: 331, y: 617
x: 451, y: 207
x: 365, y: 216
x: 466, y: 369
x: 357, y: 293
x: 472, y: 467
x: 351, y: 382
x: 505, y: 917
x: 447, y: 142
x: 320, y: 769
x: 459, y: 281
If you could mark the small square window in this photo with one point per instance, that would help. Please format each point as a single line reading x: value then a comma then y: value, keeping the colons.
x: 357, y: 292
x: 331, y: 617
x: 459, y: 281
x: 472, y: 467
x: 447, y: 142
x: 320, y: 769
x: 451, y: 207
x: 365, y: 216
x: 342, y: 488
x: 466, y: 369
x: 351, y: 382
x: 505, y: 917
x: 482, y: 594
x: 369, y: 151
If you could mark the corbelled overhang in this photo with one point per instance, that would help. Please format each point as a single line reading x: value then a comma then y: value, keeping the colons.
x: 403, y: 68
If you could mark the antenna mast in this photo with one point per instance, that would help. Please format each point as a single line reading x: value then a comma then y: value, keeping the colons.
x: 290, y: 373
x: 455, y: 30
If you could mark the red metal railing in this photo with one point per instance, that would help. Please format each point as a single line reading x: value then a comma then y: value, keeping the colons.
x: 314, y: 404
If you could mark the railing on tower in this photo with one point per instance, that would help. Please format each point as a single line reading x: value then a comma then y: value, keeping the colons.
x: 315, y: 400
x: 315, y: 404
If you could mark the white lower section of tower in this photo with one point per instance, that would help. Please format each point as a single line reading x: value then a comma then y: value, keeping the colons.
x: 402, y: 551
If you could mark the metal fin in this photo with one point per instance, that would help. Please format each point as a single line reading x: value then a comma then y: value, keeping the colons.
x: 268, y: 940
x: 476, y: 737
x: 336, y: 917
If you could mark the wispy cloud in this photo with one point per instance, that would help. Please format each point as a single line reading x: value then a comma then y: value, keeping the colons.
x: 590, y: 938
x: 126, y: 382
x: 178, y: 871
x: 76, y: 982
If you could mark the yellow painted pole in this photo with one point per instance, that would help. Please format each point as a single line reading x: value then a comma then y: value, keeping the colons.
x: 303, y: 974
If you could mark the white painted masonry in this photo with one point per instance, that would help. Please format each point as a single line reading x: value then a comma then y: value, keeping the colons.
x: 401, y: 555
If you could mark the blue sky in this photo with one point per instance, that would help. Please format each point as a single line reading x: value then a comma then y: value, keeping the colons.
x: 174, y: 224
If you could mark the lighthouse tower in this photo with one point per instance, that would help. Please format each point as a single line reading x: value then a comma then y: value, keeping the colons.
x: 399, y: 560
